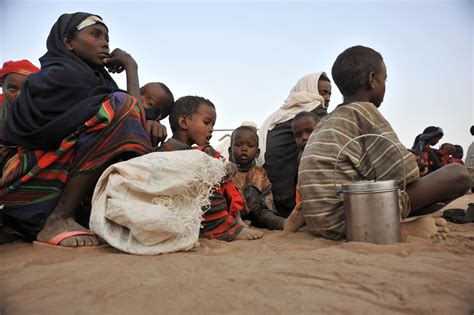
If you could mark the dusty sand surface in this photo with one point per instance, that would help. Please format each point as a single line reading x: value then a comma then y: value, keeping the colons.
x: 281, y: 273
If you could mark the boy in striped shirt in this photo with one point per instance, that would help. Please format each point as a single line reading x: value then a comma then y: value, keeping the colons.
x: 360, y: 74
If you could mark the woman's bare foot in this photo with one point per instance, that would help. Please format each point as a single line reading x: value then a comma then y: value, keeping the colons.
x: 295, y: 221
x: 55, y: 226
x: 425, y: 227
x: 249, y: 234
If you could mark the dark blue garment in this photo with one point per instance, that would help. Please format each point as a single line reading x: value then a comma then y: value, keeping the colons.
x: 63, y: 95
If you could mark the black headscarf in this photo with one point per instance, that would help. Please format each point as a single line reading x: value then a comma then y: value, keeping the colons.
x: 428, y: 134
x: 62, y: 96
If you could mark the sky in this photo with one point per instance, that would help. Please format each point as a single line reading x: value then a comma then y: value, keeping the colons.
x: 245, y: 56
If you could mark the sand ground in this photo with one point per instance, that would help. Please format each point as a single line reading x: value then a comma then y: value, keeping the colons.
x: 279, y: 274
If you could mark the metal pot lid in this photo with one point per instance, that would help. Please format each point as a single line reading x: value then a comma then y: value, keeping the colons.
x: 369, y: 185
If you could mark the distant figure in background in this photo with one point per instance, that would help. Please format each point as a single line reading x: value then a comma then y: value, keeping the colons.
x: 470, y: 159
x: 444, y: 152
x: 13, y: 75
x: 279, y: 151
x: 457, y: 156
x: 429, y: 160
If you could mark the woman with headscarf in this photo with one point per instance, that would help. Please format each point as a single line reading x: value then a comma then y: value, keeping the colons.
x: 279, y: 152
x: 428, y: 160
x: 69, y: 123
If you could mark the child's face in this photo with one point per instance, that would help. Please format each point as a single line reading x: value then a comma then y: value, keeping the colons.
x: 378, y: 90
x: 302, y: 129
x: 244, y: 148
x: 200, y: 125
x: 153, y: 96
x: 91, y: 45
x: 12, y: 84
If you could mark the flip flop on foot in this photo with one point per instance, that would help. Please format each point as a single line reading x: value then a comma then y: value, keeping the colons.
x: 57, y: 239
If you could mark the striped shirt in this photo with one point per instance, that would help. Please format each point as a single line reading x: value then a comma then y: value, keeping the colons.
x: 364, y: 159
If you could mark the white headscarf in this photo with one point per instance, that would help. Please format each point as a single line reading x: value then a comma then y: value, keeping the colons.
x: 304, y: 97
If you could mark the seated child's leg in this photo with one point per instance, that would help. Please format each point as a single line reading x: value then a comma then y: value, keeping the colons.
x: 219, y: 224
x: 258, y: 212
x: 295, y: 221
x: 249, y: 234
x: 239, y: 219
x: 443, y: 185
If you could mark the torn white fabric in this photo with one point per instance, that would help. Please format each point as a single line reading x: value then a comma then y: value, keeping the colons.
x: 152, y: 204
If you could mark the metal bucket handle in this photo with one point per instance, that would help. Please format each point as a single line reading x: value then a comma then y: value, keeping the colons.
x: 371, y: 135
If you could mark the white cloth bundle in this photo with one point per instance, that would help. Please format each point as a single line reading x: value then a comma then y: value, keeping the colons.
x: 152, y: 204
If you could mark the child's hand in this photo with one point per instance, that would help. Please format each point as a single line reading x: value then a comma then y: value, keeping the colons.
x: 156, y: 131
x: 118, y: 61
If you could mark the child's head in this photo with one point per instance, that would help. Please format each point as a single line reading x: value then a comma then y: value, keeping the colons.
x: 360, y: 71
x: 458, y: 152
x: 243, y: 148
x: 192, y: 120
x: 447, y: 149
x: 88, y: 40
x: 13, y: 75
x: 157, y: 99
x: 303, y: 125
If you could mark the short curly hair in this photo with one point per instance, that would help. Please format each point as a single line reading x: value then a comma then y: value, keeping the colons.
x: 352, y: 67
x: 186, y: 105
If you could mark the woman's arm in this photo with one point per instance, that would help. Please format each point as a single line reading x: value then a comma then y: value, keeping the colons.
x: 118, y: 61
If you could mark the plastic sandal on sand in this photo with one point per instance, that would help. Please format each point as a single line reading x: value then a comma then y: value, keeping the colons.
x: 62, y: 236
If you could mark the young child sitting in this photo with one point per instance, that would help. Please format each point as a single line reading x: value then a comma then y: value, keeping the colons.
x: 252, y: 181
x: 303, y: 125
x: 360, y: 74
x: 192, y: 121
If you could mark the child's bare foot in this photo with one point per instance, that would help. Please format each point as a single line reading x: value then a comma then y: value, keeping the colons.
x: 249, y: 234
x: 55, y: 226
x: 240, y: 221
x: 295, y: 221
x: 425, y: 227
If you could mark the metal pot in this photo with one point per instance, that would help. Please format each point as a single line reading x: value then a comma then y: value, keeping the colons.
x: 371, y: 208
